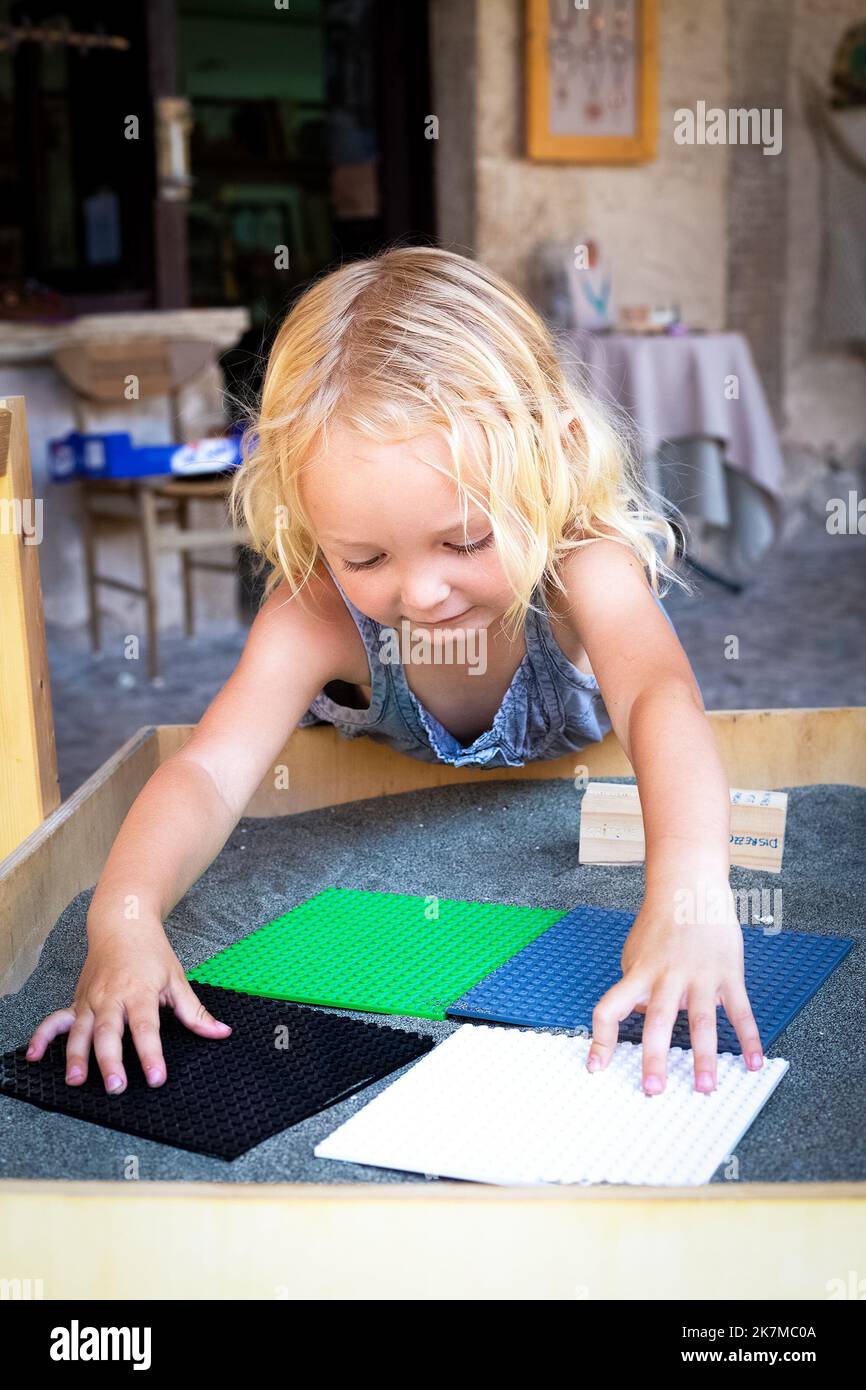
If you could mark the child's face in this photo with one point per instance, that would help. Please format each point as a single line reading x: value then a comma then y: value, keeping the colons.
x: 393, y: 510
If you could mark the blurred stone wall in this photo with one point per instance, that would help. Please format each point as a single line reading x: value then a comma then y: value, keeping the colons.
x: 730, y: 234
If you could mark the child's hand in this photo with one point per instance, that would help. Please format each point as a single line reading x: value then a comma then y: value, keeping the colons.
x: 679, y: 955
x: 124, y: 980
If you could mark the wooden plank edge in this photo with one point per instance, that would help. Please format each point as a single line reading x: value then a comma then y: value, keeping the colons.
x: 65, y: 854
x: 441, y: 1191
x: 363, y: 1241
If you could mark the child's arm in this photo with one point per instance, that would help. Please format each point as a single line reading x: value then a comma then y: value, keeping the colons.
x: 685, y: 949
x: 175, y: 828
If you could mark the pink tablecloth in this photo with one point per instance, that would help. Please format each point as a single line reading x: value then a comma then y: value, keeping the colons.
x: 679, y: 388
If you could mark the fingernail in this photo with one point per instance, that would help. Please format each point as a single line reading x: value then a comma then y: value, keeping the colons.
x: 114, y: 1083
x: 705, y: 1081
x: 30, y: 1053
x: 756, y: 1061
x: 652, y: 1085
x: 154, y: 1076
x: 594, y: 1063
x: 74, y: 1074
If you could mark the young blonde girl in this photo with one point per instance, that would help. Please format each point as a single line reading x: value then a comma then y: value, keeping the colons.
x: 421, y: 464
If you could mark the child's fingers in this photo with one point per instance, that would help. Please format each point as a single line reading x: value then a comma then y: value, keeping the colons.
x: 143, y: 1015
x: 50, y: 1028
x: 108, y: 1025
x: 658, y: 1027
x: 192, y: 1012
x: 704, y: 1037
x: 78, y: 1047
x: 613, y: 1006
x: 739, y: 1011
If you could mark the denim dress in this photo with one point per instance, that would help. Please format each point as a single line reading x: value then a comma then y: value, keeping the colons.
x: 550, y: 708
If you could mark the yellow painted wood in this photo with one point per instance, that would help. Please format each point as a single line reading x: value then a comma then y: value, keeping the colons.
x: 29, y: 787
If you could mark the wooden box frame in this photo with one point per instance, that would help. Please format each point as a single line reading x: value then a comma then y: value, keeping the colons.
x: 541, y: 144
x: 415, y: 1240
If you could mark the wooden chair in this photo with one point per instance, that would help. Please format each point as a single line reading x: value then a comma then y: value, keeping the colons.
x: 117, y: 371
x: 110, y: 372
x: 159, y: 509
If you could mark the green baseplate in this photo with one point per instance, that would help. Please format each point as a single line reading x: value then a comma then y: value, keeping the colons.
x: 387, y: 953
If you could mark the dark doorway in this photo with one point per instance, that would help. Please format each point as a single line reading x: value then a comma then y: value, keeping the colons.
x: 321, y: 148
x: 308, y: 131
x: 345, y: 149
x: 379, y: 82
x: 308, y: 135
x: 76, y: 158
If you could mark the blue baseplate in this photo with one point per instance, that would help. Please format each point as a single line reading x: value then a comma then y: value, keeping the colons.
x: 556, y: 981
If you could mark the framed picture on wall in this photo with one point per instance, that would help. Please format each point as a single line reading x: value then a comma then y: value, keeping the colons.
x: 592, y: 81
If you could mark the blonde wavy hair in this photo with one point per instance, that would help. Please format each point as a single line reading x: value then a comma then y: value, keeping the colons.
x: 420, y: 339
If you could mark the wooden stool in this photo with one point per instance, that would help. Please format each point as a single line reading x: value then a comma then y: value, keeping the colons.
x: 149, y: 503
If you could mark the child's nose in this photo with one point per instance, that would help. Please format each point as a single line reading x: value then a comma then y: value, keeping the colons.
x: 424, y: 591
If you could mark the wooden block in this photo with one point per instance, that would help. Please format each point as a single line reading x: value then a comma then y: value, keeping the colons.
x: 611, y: 826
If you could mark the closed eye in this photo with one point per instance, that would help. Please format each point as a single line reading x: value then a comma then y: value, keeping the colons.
x: 473, y: 546
x: 471, y: 549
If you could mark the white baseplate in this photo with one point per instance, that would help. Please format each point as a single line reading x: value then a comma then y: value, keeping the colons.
x: 514, y: 1106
